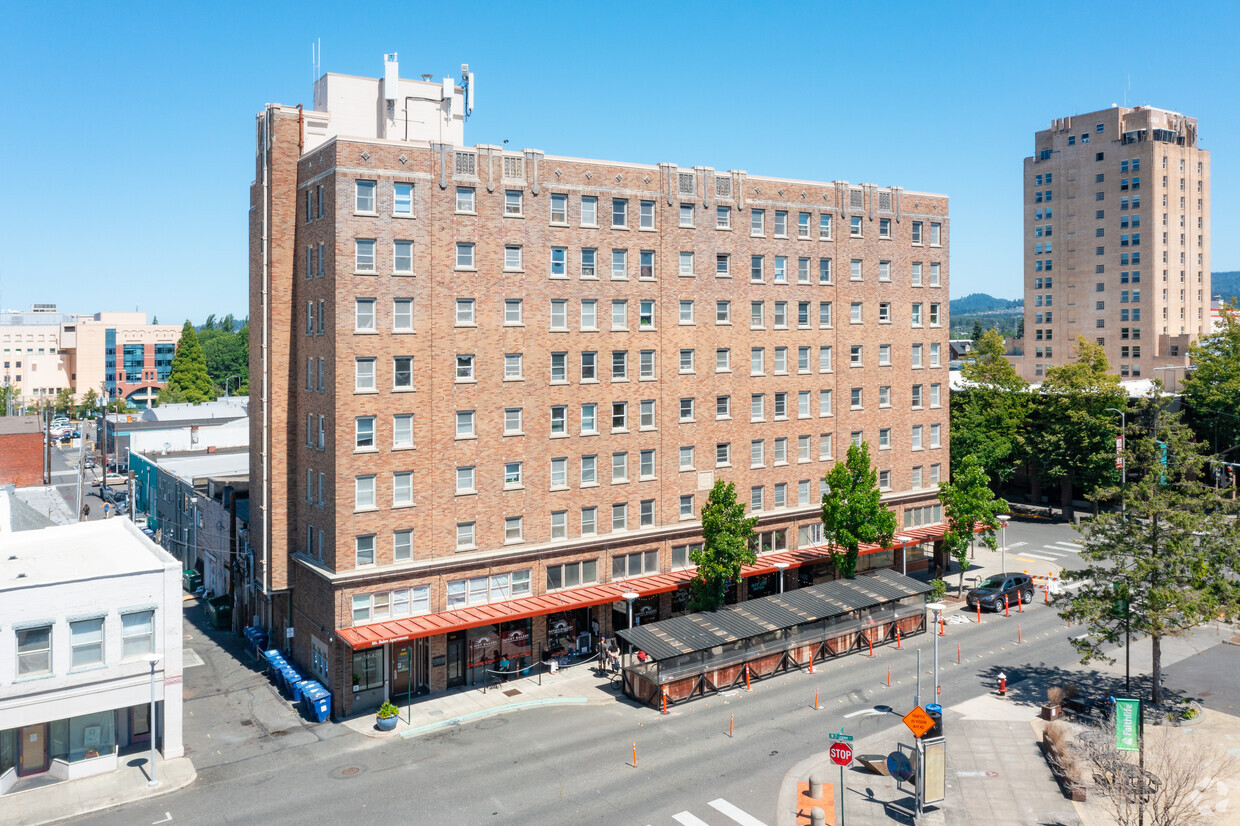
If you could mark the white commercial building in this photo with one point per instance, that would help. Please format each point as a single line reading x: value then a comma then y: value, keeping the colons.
x: 84, y: 609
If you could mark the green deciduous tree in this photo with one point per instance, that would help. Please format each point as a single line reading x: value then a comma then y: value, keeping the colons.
x: 91, y: 400
x: 1072, y: 426
x: 188, y: 381
x: 968, y: 502
x: 853, y: 511
x: 64, y: 401
x: 989, y: 417
x: 1212, y: 387
x: 1166, y: 564
x: 726, y: 535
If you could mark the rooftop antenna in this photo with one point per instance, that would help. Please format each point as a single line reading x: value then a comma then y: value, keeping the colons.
x: 316, y: 55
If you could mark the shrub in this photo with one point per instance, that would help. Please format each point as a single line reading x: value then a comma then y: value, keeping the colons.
x: 388, y: 710
x: 938, y: 590
x: 1069, y: 691
x: 1055, y: 695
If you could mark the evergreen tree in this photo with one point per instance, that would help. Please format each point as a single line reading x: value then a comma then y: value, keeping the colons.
x: 977, y: 331
x: 1168, y: 561
x: 853, y: 511
x: 968, y: 502
x: 1020, y: 327
x: 188, y: 380
x: 726, y: 536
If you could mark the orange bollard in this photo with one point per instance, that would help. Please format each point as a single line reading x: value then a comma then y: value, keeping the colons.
x: 815, y: 699
x: 1005, y: 606
x: 1047, y: 593
x: 747, y: 686
x: 665, y: 699
x: 731, y: 724
x: 897, y: 639
x: 889, y: 676
x: 634, y: 755
x: 940, y: 625
x: 811, y: 663
x: 957, y: 653
x: 1020, y: 604
x: 1018, y: 640
x: 979, y: 613
x: 870, y: 639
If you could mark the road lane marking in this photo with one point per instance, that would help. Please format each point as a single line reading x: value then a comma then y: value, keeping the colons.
x: 1076, y: 546
x: 1026, y: 557
x: 688, y: 819
x: 736, y: 814
x: 1017, y: 544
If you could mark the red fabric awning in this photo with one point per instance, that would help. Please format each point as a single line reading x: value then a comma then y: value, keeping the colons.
x: 427, y: 625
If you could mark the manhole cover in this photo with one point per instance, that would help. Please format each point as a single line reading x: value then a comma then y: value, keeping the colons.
x: 279, y: 733
x: 883, y: 709
x: 345, y: 772
x: 512, y: 692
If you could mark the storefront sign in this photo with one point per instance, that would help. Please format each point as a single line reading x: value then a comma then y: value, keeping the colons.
x: 438, y: 660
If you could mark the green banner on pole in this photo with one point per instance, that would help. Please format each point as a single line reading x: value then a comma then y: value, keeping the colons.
x: 1127, y: 721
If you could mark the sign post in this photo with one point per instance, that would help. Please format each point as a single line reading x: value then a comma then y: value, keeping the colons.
x: 841, y: 755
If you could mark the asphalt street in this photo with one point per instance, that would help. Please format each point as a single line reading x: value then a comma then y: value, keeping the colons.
x: 258, y: 762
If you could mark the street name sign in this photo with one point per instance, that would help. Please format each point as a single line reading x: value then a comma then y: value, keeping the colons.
x: 841, y: 736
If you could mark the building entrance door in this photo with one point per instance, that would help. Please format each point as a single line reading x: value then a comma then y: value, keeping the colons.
x: 456, y: 659
x: 32, y: 750
x: 139, y: 723
x: 402, y: 657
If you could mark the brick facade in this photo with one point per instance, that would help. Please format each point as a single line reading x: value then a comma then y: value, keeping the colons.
x: 310, y: 318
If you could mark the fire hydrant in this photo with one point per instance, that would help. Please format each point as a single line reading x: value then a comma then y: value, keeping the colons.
x: 1002, y: 684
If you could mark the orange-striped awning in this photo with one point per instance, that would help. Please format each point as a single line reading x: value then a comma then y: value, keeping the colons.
x: 427, y: 625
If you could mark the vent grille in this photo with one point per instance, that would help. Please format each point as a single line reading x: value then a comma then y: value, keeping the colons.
x: 884, y: 201
x: 854, y: 199
x: 466, y: 163
x: 514, y: 168
x: 723, y: 186
x: 684, y: 183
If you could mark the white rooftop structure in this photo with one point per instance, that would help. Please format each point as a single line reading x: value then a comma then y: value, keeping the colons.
x: 229, y: 407
x: 206, y: 464
x: 81, y: 551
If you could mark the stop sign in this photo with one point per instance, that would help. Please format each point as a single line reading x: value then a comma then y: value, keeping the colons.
x: 841, y: 754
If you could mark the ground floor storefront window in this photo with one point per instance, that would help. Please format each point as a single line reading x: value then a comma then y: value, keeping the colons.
x: 367, y: 670
x: 569, y: 633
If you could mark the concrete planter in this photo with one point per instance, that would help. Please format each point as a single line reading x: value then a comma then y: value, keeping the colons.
x: 1050, y: 712
x: 385, y: 723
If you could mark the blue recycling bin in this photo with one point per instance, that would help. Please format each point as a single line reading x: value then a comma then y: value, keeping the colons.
x: 276, y: 662
x: 308, y: 689
x: 297, y: 690
x: 257, y: 639
x: 318, y: 703
x: 290, y: 677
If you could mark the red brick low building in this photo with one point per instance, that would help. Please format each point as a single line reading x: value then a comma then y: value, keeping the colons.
x: 21, y: 451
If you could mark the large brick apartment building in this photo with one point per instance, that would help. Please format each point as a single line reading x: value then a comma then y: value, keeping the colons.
x: 494, y: 387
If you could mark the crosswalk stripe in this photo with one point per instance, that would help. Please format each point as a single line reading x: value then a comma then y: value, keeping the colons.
x: 1076, y: 546
x: 736, y: 814
x: 1053, y: 551
x: 1016, y: 544
x: 689, y: 820
x: 1037, y: 556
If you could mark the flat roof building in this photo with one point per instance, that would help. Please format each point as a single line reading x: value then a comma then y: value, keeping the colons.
x: 492, y: 388
x: 1116, y: 241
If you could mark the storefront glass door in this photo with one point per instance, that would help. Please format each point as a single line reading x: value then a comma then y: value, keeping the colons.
x: 32, y: 750
x: 456, y: 660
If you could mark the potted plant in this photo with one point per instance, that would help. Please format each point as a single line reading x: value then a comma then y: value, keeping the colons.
x: 1052, y: 709
x: 386, y: 717
x: 357, y: 679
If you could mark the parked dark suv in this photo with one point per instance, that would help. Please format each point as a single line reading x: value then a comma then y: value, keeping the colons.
x: 991, y: 591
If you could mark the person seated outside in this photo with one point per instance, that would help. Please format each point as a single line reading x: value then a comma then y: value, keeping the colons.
x: 504, y: 666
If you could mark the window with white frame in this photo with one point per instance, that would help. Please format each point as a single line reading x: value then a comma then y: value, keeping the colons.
x: 465, y: 424
x: 512, y: 258
x: 364, y: 255
x: 513, y: 367
x: 137, y: 634
x: 589, y: 521
x: 464, y: 256
x: 402, y: 315
x: 364, y: 433
x: 514, y: 527
x: 364, y: 200
x: 646, y: 215
x: 364, y: 315
x: 364, y: 493
x: 403, y: 199
x: 86, y: 639
x: 364, y: 375
x: 513, y: 315
x: 402, y: 430
x: 589, y: 211
x: 402, y: 545
x: 464, y: 539
x: 402, y: 257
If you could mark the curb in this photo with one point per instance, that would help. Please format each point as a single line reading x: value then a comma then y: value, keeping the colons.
x: 474, y: 715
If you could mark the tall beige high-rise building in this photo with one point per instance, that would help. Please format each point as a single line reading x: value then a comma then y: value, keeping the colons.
x: 1117, y: 241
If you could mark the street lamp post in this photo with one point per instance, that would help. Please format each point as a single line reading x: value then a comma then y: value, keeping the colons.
x: 903, y: 540
x: 937, y: 608
x: 781, y: 566
x: 629, y: 597
x: 153, y: 659
x: 229, y: 379
x: 1123, y: 465
x: 1003, y: 520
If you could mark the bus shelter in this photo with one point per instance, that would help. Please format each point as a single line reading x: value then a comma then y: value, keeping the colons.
x: 711, y: 651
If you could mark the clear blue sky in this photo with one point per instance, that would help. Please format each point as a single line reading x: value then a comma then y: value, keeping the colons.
x: 128, y: 135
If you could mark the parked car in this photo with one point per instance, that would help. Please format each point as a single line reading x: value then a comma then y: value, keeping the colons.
x: 991, y: 591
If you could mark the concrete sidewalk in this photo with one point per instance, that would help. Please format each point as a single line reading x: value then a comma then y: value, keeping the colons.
x: 576, y: 684
x: 74, y: 798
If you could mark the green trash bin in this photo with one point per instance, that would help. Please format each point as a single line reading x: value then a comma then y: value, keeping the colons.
x: 219, y: 611
x: 191, y: 580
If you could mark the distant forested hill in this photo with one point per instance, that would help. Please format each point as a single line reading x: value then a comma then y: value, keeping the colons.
x: 1226, y: 284
x: 983, y: 303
